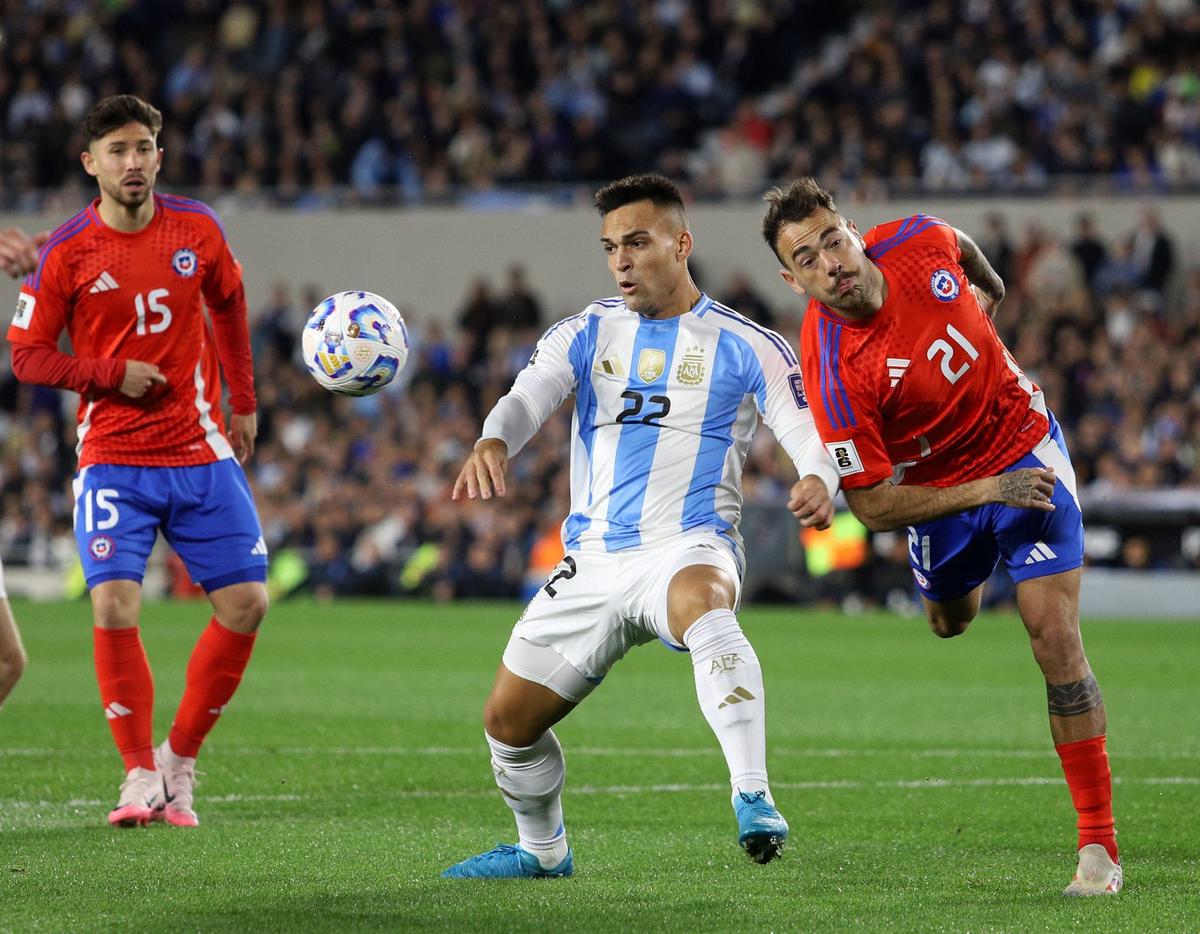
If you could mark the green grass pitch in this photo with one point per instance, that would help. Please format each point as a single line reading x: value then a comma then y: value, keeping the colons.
x: 917, y: 774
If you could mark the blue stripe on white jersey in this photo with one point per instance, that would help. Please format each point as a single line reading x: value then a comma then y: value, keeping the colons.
x: 640, y: 434
x: 581, y: 353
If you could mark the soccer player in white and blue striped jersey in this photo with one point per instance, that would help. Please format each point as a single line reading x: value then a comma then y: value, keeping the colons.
x: 668, y: 388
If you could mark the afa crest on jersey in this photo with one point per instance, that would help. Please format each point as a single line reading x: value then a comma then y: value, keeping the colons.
x: 690, y: 371
x: 184, y: 262
x: 944, y: 285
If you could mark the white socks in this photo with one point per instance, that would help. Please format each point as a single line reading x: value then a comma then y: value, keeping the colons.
x: 530, y: 779
x: 729, y: 687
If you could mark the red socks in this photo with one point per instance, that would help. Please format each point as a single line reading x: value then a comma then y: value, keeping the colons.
x: 213, y: 674
x: 127, y: 692
x: 1085, y: 764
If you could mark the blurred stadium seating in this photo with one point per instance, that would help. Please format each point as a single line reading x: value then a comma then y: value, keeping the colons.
x: 508, y: 106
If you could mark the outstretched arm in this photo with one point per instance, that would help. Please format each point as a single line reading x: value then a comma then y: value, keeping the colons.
x: 884, y: 506
x: 19, y: 251
x: 985, y: 279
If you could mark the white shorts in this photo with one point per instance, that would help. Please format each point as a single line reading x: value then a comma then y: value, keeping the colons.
x: 598, y: 605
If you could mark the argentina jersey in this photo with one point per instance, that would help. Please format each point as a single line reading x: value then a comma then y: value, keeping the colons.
x: 663, y: 418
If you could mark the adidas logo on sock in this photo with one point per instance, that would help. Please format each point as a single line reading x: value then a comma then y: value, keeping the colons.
x: 114, y: 710
x: 1041, y: 552
x: 216, y: 711
x: 260, y: 547
x: 739, y: 694
x: 104, y: 282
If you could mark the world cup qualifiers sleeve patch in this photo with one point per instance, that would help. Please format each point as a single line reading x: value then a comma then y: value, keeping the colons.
x: 796, y: 381
x: 846, y: 457
x: 944, y: 285
x: 24, y: 313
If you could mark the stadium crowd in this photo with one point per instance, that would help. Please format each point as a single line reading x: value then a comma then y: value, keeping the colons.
x: 368, y: 100
x: 354, y: 493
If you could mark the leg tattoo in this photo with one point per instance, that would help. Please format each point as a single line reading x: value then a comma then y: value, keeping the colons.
x: 1075, y: 698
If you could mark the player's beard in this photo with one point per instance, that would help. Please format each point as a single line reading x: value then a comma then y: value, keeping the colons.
x: 130, y: 200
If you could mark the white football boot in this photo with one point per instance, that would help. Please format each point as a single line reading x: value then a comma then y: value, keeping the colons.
x: 179, y: 783
x: 141, y: 799
x: 1097, y: 873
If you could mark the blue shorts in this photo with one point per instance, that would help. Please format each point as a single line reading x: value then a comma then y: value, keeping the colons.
x: 953, y: 555
x: 206, y: 513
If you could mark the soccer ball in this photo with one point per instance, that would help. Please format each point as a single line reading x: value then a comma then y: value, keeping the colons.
x: 355, y: 343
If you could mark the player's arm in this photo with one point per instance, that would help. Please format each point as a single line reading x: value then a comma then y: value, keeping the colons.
x: 884, y: 506
x: 39, y: 321
x: 19, y: 251
x: 550, y: 376
x: 979, y: 271
x: 784, y: 407
x: 225, y: 296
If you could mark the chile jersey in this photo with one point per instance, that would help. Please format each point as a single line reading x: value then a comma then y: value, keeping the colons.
x: 139, y: 296
x: 924, y: 389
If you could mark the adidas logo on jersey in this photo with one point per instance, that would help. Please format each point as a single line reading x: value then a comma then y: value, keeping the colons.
x: 104, y: 283
x: 896, y: 368
x: 612, y: 366
x: 114, y: 710
x: 260, y: 547
x: 1041, y: 552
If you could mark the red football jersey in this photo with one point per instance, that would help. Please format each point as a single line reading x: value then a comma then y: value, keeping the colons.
x: 923, y: 390
x: 139, y: 297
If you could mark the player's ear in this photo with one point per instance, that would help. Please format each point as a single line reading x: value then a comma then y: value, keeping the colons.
x: 89, y: 164
x: 684, y: 245
x: 791, y: 282
x: 857, y: 236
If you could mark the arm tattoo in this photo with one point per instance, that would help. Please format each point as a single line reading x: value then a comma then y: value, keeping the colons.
x: 1071, y: 700
x: 979, y: 270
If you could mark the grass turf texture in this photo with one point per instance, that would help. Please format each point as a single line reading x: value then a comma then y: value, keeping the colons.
x: 917, y: 775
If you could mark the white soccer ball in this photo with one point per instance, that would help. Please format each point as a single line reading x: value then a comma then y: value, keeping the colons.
x: 355, y: 343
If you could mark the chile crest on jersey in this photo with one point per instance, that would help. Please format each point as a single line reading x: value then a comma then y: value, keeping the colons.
x: 184, y: 262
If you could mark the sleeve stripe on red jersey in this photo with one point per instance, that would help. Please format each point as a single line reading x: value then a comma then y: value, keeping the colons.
x: 910, y: 228
x: 192, y: 206
x: 65, y: 232
x: 780, y: 344
x: 837, y: 405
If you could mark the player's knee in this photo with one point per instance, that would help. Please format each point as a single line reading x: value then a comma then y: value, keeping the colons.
x: 248, y: 611
x: 12, y: 666
x: 504, y: 723
x: 947, y: 626
x: 113, y: 610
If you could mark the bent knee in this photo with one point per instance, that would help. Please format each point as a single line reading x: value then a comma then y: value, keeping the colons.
x: 945, y: 626
x: 505, y: 724
x: 12, y: 667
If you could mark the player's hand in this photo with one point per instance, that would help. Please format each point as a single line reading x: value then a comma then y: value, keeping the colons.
x: 18, y: 250
x: 140, y: 377
x: 483, y: 472
x: 1028, y: 488
x: 810, y: 503
x: 243, y: 429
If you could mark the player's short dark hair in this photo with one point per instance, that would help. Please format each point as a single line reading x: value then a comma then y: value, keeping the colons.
x: 656, y: 189
x: 792, y: 203
x: 114, y: 112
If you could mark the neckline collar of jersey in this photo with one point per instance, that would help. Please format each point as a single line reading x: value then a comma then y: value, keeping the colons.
x: 94, y: 211
x: 703, y: 303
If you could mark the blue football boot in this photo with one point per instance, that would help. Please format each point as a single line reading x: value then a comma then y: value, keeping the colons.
x: 510, y: 862
x: 762, y: 830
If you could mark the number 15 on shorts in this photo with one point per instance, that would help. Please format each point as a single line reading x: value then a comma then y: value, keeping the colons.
x: 100, y: 512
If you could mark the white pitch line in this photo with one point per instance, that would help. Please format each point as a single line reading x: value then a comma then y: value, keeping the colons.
x: 664, y: 788
x: 690, y: 752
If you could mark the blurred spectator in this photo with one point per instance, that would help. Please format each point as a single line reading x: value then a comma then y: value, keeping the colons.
x: 475, y: 100
x: 519, y: 307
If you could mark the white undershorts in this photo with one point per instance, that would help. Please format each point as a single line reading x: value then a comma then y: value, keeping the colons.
x: 597, y: 605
